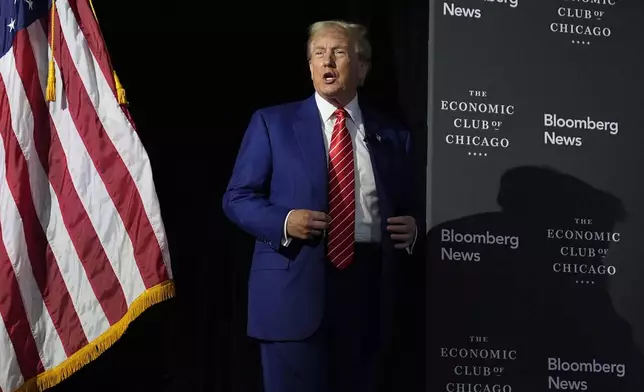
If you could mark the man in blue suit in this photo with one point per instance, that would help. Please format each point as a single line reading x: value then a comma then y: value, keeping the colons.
x: 325, y: 187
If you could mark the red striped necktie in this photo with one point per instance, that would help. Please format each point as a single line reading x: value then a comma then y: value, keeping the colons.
x: 341, y: 233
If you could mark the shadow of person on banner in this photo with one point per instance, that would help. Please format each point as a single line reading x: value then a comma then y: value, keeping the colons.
x: 519, y: 297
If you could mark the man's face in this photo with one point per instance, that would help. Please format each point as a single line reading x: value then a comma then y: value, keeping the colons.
x: 335, y: 68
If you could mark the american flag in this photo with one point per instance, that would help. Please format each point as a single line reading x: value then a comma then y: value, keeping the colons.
x: 83, y: 249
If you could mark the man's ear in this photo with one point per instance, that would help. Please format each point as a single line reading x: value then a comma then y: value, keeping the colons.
x: 363, y: 70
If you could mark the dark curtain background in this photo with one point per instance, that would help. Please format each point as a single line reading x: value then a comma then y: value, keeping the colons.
x: 194, y: 72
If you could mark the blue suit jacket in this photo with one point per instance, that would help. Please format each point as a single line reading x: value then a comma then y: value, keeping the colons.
x: 282, y: 165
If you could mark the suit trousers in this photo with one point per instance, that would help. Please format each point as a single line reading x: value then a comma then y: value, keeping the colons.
x: 344, y: 354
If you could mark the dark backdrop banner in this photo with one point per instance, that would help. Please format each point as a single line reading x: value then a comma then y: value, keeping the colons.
x: 535, y: 196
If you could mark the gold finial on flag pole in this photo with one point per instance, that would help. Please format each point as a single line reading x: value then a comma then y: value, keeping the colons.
x: 51, y: 77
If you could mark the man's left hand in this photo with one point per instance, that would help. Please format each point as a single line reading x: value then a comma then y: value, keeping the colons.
x: 403, y: 230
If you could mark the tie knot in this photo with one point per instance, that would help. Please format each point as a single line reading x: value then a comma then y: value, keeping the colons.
x: 340, y: 114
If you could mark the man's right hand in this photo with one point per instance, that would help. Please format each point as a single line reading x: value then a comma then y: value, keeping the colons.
x: 307, y: 224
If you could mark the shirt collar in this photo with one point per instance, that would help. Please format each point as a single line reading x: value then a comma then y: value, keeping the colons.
x: 327, y: 109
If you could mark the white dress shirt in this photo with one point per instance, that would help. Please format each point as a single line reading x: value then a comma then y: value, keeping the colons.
x: 367, y: 213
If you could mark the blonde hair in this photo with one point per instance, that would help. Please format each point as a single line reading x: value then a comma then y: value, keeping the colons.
x: 356, y: 32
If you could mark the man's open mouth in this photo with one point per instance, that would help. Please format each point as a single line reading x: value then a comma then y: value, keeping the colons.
x: 329, y: 77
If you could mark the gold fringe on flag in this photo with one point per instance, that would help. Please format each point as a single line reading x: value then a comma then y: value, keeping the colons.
x: 120, y: 91
x: 95, y: 348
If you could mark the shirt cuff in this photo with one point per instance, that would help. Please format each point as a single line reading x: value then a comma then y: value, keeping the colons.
x: 410, y: 248
x: 286, y: 240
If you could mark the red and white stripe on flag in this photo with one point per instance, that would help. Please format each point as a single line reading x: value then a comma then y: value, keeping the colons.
x: 83, y: 250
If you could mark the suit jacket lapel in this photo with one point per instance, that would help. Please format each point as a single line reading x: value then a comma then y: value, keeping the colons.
x: 308, y: 132
x: 376, y: 142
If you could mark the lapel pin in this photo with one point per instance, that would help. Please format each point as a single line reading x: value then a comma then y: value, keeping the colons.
x: 378, y: 137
